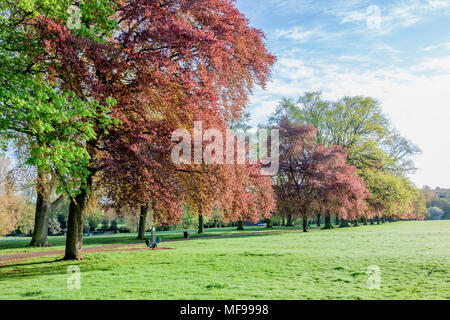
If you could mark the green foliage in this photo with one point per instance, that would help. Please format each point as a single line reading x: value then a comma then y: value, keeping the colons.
x: 25, y: 224
x: 95, y: 218
x: 190, y: 221
x: 439, y: 198
x: 392, y: 196
x: 383, y: 157
x: 444, y: 205
x: 95, y: 15
x: 56, y: 123
x: 113, y: 226
x: 105, y: 224
x: 356, y: 124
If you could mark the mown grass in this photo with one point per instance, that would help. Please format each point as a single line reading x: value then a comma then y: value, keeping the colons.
x: 322, y: 264
x: 19, y: 245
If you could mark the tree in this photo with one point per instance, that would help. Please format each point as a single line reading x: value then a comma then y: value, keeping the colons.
x: 25, y: 224
x: 314, y: 179
x: 177, y: 63
x: 40, y: 107
x: 237, y: 189
x: 435, y: 213
x: 10, y: 204
x: 339, y: 188
x: 164, y: 63
x: 429, y: 195
x: 95, y: 218
x: 142, y: 222
x: 393, y: 196
x: 419, y: 205
x: 444, y: 204
x: 358, y: 125
x: 10, y: 212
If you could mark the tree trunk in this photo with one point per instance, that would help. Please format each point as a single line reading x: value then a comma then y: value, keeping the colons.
x: 365, y: 221
x: 269, y: 223
x: 74, y: 241
x: 318, y: 220
x: 344, y: 223
x: 328, y: 224
x: 201, y: 227
x: 289, y: 220
x: 337, y: 219
x: 142, y: 222
x: 42, y: 213
x: 77, y: 209
x: 378, y: 220
x: 356, y: 223
x: 240, y: 226
x: 383, y: 219
x: 305, y: 224
x: 283, y: 222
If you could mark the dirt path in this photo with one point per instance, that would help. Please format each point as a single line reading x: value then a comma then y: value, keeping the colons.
x: 8, y: 259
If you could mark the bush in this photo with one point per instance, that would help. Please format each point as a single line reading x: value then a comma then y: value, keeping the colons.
x: 113, y: 226
x: 95, y: 218
x: 105, y: 224
x: 124, y: 229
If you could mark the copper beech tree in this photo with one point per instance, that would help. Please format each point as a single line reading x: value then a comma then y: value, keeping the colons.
x: 314, y: 179
x: 238, y: 190
x: 165, y: 64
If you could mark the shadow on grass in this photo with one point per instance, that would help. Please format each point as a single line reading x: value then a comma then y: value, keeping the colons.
x: 131, y: 238
x: 58, y: 266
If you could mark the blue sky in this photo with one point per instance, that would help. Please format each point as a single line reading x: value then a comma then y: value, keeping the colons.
x: 396, y: 51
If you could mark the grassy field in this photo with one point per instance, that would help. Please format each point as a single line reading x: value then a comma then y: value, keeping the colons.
x: 413, y: 258
x: 19, y: 245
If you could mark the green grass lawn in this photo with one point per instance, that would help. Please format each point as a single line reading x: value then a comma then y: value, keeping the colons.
x: 19, y: 245
x: 413, y: 258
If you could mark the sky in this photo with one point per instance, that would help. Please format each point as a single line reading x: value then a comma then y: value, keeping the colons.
x: 396, y: 51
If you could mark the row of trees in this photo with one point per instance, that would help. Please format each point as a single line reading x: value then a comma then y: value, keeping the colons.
x: 438, y: 202
x: 89, y: 107
x: 92, y: 108
x: 345, y: 159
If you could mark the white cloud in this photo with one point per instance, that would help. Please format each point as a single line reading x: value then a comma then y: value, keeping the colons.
x: 445, y: 45
x: 293, y: 68
x: 329, y: 45
x: 395, y: 15
x: 438, y: 65
x: 301, y: 35
x: 263, y: 107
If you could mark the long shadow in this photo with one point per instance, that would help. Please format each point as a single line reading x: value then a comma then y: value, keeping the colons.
x: 131, y: 238
x: 60, y: 241
x: 58, y: 266
x: 51, y: 267
x: 243, y: 235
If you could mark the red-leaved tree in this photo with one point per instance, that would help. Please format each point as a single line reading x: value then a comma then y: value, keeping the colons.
x: 314, y: 179
x: 167, y: 64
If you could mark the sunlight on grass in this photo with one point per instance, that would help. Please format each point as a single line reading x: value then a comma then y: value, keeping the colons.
x: 413, y: 258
